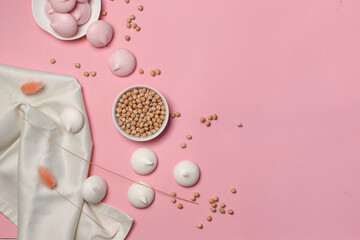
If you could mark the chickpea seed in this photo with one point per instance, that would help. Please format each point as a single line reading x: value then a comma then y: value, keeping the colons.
x: 77, y: 65
x: 173, y: 200
x: 199, y: 226
x: 211, y: 201
x: 138, y: 28
x: 141, y: 71
x: 233, y: 190
x: 152, y: 73
x: 210, y: 117
x: 132, y: 17
x: 183, y: 145
x: 193, y: 198
x: 207, y: 123
x: 86, y: 74
x: 214, y: 116
x: 213, y: 209
x: 222, y: 205
x: 173, y: 194
x: 214, y: 205
x: 188, y: 136
x: 196, y: 194
x: 209, y: 218
x: 177, y: 114
x: 103, y: 13
x: 239, y: 124
x: 52, y: 61
x: 127, y: 38
x: 202, y: 119
x: 221, y: 210
x: 230, y: 211
x: 157, y: 71
x: 180, y: 206
x: 140, y: 8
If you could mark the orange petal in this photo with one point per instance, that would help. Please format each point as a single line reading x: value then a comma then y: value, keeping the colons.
x: 46, y: 177
x: 31, y: 87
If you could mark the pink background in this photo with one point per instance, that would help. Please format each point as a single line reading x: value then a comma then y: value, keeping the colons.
x: 289, y: 70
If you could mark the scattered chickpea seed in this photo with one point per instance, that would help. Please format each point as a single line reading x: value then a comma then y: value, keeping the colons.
x: 230, y: 211
x: 233, y: 190
x: 77, y: 65
x: 216, y: 198
x: 214, y: 205
x: 93, y: 74
x: 172, y: 115
x: 103, y: 13
x: 193, y: 198
x: 221, y: 210
x: 128, y: 25
x: 180, y: 206
x: 127, y: 38
x: 183, y: 145
x: 128, y: 20
x: 177, y: 114
x: 189, y: 136
x: 157, y: 71
x: 173, y: 194
x: 173, y: 200
x: 138, y: 28
x: 211, y: 201
x: 213, y: 209
x: 140, y: 8
x: 199, y: 226
x: 134, y: 25
x: 152, y: 73
x: 52, y: 61
x: 202, y: 119
x: 196, y: 194
x: 222, y: 205
x: 132, y: 17
x: 209, y: 218
x: 210, y: 117
x: 127, y: 1
x: 214, y: 116
x: 86, y: 74
x: 239, y: 124
x: 207, y: 123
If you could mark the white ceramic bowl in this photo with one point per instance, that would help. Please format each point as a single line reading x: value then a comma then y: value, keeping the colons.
x: 140, y: 139
x: 44, y: 22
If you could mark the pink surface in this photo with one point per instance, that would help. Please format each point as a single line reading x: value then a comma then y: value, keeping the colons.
x: 289, y: 70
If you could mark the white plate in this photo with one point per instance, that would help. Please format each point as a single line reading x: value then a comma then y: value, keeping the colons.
x: 132, y: 137
x: 44, y: 22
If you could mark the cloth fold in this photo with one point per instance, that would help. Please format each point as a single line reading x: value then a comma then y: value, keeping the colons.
x: 41, y: 213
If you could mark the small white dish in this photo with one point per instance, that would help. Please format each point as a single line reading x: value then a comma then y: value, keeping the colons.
x: 43, y: 22
x: 131, y: 137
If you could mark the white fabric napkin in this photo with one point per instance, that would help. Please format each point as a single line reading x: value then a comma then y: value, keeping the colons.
x: 39, y: 212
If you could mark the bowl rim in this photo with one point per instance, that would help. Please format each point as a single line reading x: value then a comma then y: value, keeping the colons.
x: 131, y: 137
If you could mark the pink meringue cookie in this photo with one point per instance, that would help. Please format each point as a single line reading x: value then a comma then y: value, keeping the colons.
x: 99, y: 33
x: 49, y: 11
x: 121, y: 62
x: 64, y: 24
x: 81, y: 12
x: 62, y: 6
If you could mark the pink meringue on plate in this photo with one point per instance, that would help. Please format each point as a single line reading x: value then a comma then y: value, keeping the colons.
x: 49, y: 11
x: 81, y: 12
x: 121, y: 62
x: 64, y: 24
x: 62, y: 6
x: 99, y: 33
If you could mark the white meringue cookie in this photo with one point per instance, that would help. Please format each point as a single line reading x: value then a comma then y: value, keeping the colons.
x: 49, y: 11
x: 186, y: 173
x: 94, y: 189
x: 63, y: 24
x: 71, y: 120
x: 140, y: 196
x: 143, y: 161
x: 62, y: 6
x: 81, y: 13
x: 121, y: 62
x: 99, y: 33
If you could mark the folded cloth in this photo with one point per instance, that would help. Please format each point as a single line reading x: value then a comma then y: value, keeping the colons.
x: 39, y: 212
